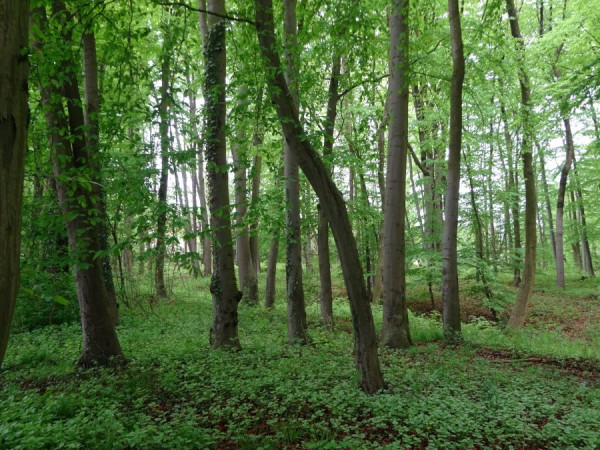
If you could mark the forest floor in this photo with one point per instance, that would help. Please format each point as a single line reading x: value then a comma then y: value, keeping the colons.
x: 537, y: 388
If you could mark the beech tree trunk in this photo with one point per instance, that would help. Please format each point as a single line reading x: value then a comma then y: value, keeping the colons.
x: 560, y: 204
x: 71, y: 159
x: 163, y: 130
x: 332, y: 202
x: 296, y: 317
x: 450, y: 294
x: 256, y: 176
x: 14, y: 121
x: 246, y: 271
x: 518, y: 314
x: 586, y: 255
x: 223, y: 285
x: 547, y: 201
x: 325, y: 293
x: 394, y: 331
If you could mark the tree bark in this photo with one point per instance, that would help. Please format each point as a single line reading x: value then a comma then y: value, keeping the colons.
x: 163, y: 130
x: 560, y: 205
x: 395, y: 332
x: 92, y: 109
x: 246, y: 271
x: 325, y: 293
x: 296, y: 318
x: 518, y: 314
x: 547, y: 201
x: 365, y: 339
x: 14, y: 121
x: 71, y: 160
x: 223, y: 285
x: 586, y: 255
x: 450, y: 294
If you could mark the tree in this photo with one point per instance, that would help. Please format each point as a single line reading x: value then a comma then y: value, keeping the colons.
x: 365, y: 342
x: 296, y: 317
x: 14, y: 121
x: 450, y: 295
x: 395, y: 332
x: 517, y: 317
x: 223, y: 285
x: 75, y: 171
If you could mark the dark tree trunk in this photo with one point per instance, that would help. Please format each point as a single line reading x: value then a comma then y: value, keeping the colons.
x: 518, y: 315
x: 14, y: 121
x: 296, y: 317
x: 450, y: 298
x: 394, y: 331
x: 223, y: 285
x: 332, y: 202
x: 325, y: 293
x: 70, y: 158
x: 246, y: 271
x: 163, y: 129
x: 514, y: 202
x: 92, y: 109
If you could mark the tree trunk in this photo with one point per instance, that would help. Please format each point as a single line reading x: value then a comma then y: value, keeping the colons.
x: 246, y: 271
x: 547, y: 201
x: 91, y: 112
x: 223, y: 285
x: 163, y: 129
x: 517, y: 317
x: 394, y: 331
x: 271, y: 270
x: 332, y: 202
x: 560, y: 205
x: 514, y: 201
x: 14, y: 120
x: 450, y: 298
x: 325, y: 293
x: 586, y: 255
x: 256, y: 175
x: 575, y: 245
x: 296, y: 317
x: 71, y: 159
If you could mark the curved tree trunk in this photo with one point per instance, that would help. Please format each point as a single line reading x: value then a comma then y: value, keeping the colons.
x: 223, y: 285
x: 517, y: 317
x: 332, y: 202
x: 450, y: 295
x: 14, y: 120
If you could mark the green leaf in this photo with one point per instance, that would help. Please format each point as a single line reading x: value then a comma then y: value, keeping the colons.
x: 61, y: 300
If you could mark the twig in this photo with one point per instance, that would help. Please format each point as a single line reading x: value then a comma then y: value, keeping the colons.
x: 211, y: 13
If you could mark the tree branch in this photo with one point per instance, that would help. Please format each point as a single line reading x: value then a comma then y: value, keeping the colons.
x: 417, y: 162
x: 205, y: 11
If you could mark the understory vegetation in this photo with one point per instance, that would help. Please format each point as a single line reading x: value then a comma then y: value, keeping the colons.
x: 537, y: 387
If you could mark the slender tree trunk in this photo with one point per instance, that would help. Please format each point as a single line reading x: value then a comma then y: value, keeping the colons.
x: 332, y: 202
x: 575, y: 245
x: 246, y: 271
x: 91, y: 111
x: 560, y: 204
x: 271, y: 270
x: 256, y: 175
x: 71, y: 157
x: 377, y: 291
x: 206, y: 232
x: 494, y: 254
x: 163, y: 129
x: 395, y: 332
x: 514, y: 201
x: 325, y: 293
x: 518, y: 315
x: 586, y: 255
x: 293, y: 262
x: 14, y: 121
x: 223, y: 285
x: 547, y: 201
x: 450, y: 298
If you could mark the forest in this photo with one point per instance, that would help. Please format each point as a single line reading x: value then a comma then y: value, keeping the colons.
x: 299, y: 224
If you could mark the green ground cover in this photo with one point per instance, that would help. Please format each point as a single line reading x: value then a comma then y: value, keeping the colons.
x: 536, y: 388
